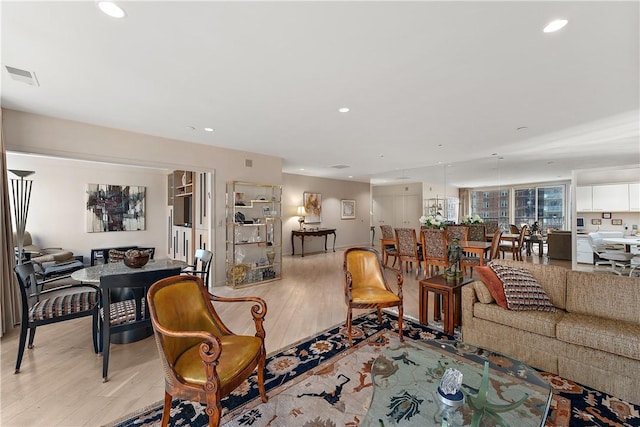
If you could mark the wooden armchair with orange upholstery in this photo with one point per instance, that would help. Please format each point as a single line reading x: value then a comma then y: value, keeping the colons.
x: 365, y: 286
x: 203, y: 360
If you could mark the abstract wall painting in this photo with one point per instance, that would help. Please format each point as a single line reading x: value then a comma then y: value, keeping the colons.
x: 313, y: 208
x: 115, y: 208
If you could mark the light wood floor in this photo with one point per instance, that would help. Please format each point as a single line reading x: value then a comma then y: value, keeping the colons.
x: 60, y: 383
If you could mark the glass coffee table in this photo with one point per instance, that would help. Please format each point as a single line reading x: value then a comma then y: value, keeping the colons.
x: 406, y: 378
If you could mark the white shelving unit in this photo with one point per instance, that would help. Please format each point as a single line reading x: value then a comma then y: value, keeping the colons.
x: 254, y: 233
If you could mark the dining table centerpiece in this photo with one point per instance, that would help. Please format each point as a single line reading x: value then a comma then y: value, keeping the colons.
x: 432, y: 221
x: 472, y: 219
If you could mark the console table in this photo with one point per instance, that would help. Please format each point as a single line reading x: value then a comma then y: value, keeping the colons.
x: 311, y: 233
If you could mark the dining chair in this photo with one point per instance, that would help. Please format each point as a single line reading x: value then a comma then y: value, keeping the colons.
x: 388, y: 245
x: 616, y: 260
x: 408, y: 250
x: 201, y: 265
x: 434, y: 248
x: 513, y: 229
x: 514, y: 246
x: 43, y: 307
x: 490, y: 227
x: 474, y: 261
x: 366, y: 287
x: 477, y: 232
x: 460, y: 232
x: 124, y: 313
x: 203, y: 360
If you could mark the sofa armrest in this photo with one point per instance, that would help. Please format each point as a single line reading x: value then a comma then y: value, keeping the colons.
x: 469, y: 298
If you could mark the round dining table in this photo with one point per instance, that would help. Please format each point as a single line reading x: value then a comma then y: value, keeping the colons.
x: 92, y: 274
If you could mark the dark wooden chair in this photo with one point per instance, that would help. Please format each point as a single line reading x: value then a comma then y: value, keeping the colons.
x: 125, y: 317
x: 201, y: 265
x: 474, y: 261
x: 515, y: 246
x: 203, y: 360
x: 41, y: 307
x: 365, y: 286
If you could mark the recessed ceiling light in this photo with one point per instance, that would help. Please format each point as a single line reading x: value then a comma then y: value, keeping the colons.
x: 350, y: 176
x: 208, y: 129
x: 344, y: 110
x: 301, y: 169
x: 554, y: 26
x: 111, y: 9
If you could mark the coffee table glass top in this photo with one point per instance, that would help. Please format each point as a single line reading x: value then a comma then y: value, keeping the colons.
x: 406, y: 378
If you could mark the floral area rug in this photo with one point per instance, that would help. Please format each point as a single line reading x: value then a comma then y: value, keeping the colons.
x: 324, y: 382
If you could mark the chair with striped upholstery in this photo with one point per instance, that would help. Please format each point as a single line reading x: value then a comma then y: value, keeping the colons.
x: 42, y: 307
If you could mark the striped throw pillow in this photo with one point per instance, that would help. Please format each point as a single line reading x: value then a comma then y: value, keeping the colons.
x: 521, y: 290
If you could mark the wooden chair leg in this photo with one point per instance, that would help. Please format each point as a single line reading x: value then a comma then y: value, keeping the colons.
x: 349, y: 317
x: 400, y: 314
x: 166, y: 409
x: 23, y: 340
x: 261, y: 364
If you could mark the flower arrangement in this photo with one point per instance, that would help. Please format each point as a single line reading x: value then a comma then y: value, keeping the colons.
x: 472, y: 219
x: 433, y: 221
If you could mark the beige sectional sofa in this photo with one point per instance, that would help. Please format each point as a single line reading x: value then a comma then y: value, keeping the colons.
x: 593, y: 338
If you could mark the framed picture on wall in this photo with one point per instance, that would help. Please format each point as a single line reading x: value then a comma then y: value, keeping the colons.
x: 616, y: 222
x: 348, y: 209
x: 313, y: 207
x: 606, y: 215
x: 596, y: 221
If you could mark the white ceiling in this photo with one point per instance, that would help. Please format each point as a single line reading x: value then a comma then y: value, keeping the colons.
x: 426, y: 82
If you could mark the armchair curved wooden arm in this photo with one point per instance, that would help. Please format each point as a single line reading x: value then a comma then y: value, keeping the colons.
x: 258, y: 310
x: 203, y: 360
x: 365, y: 286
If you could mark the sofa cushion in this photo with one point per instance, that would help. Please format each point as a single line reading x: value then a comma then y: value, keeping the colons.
x: 482, y: 292
x: 537, y: 322
x: 493, y: 284
x: 521, y: 289
x: 611, y: 336
x: 604, y: 295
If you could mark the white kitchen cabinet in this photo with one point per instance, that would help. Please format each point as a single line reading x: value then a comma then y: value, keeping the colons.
x: 584, y: 251
x: 584, y: 199
x: 397, y: 211
x: 611, y: 198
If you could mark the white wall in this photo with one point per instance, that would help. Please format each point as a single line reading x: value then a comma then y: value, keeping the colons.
x: 350, y: 232
x: 32, y: 133
x: 57, y: 212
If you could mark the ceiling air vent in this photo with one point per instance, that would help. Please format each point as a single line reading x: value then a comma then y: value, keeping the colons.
x: 340, y: 166
x: 24, y: 76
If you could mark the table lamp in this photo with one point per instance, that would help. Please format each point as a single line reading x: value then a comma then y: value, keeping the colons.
x: 301, y: 214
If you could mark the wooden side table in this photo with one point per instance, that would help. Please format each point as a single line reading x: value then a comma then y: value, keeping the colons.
x: 451, y: 300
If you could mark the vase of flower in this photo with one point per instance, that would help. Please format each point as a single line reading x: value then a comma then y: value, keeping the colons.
x: 472, y: 219
x: 432, y: 221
